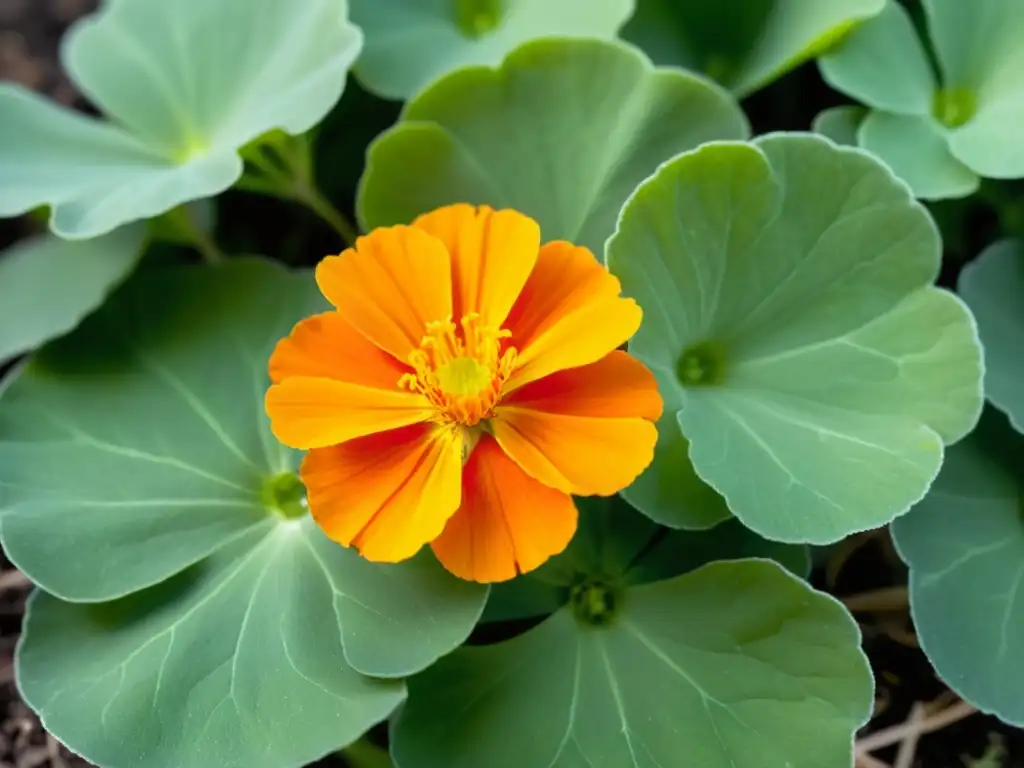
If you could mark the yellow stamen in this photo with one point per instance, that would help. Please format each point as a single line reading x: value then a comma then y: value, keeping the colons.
x: 461, y: 369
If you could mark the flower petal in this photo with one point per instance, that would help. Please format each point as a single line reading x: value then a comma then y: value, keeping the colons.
x: 492, y: 252
x: 569, y: 314
x: 308, y: 412
x: 586, y: 430
x: 508, y: 522
x: 394, y: 282
x: 617, y: 385
x: 327, y: 346
x: 387, y: 494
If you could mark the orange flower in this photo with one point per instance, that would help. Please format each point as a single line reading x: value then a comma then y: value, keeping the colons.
x: 466, y: 385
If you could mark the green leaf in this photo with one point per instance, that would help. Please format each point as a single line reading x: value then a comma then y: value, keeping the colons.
x: 47, y: 285
x: 982, y: 62
x: 184, y: 86
x: 993, y: 287
x: 965, y: 547
x: 735, y: 665
x: 562, y: 131
x: 840, y: 124
x: 786, y: 287
x: 917, y: 150
x: 883, y: 64
x: 669, y: 491
x: 744, y: 44
x: 616, y: 543
x: 135, y: 455
x: 952, y: 130
x: 410, y: 43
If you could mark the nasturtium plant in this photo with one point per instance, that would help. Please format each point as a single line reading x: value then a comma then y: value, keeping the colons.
x: 47, y: 285
x: 562, y: 130
x: 941, y: 131
x: 993, y: 287
x: 204, y: 618
x: 965, y: 547
x: 734, y: 664
x: 743, y: 44
x: 790, y: 317
x: 410, y: 43
x: 184, y: 86
x: 513, y: 448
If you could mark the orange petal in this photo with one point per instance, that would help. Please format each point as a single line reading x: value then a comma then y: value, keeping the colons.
x: 493, y: 253
x: 307, y: 412
x: 617, y: 385
x: 327, y: 346
x: 569, y: 314
x: 582, y: 455
x: 394, y: 282
x: 387, y: 494
x: 508, y: 522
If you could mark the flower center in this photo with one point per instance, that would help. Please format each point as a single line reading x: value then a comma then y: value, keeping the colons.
x: 461, y: 369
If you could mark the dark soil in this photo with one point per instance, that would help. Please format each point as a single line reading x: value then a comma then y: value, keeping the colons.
x: 30, y: 31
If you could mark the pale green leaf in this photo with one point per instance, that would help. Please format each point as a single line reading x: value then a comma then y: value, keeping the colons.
x: 744, y: 44
x: 669, y: 491
x: 562, y: 131
x: 735, y: 665
x: 883, y: 64
x: 184, y: 85
x: 787, y: 295
x: 916, y: 147
x: 965, y: 547
x: 135, y: 455
x: 966, y: 124
x: 47, y: 285
x: 410, y: 43
x: 993, y: 287
x: 840, y: 124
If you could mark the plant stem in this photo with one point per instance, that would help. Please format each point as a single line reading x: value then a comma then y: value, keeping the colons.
x: 197, y: 236
x: 311, y: 197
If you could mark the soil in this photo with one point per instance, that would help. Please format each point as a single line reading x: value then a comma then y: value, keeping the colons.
x: 30, y: 31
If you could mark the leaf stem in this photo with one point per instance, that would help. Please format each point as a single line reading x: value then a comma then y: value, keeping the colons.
x: 315, y: 200
x: 199, y: 238
x: 282, y: 166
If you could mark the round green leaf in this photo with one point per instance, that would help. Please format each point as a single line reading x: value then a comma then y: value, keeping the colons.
x: 980, y: 54
x: 916, y: 147
x: 786, y: 287
x: 744, y: 44
x: 409, y: 43
x: 735, y: 665
x: 993, y: 287
x: 965, y: 547
x: 185, y: 85
x: 958, y: 128
x: 840, y: 124
x: 47, y: 285
x: 563, y: 131
x: 135, y: 455
x: 883, y: 64
x: 669, y: 491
